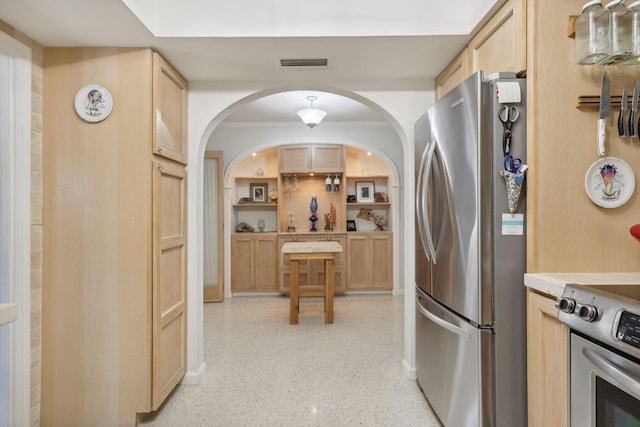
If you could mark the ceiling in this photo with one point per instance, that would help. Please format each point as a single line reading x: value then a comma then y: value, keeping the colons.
x: 400, y: 45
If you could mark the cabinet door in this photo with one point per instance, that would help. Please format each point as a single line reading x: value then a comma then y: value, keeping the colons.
x: 547, y: 360
x: 501, y: 45
x: 381, y: 261
x: 327, y: 158
x: 169, y: 279
x: 169, y: 111
x: 242, y: 262
x: 266, y: 263
x: 295, y: 158
x: 359, y: 261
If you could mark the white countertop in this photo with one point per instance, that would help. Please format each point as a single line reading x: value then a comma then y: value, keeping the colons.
x: 554, y: 283
x: 311, y: 247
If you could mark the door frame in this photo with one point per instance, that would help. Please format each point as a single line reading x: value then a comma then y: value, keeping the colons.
x: 217, y: 295
x: 19, y: 214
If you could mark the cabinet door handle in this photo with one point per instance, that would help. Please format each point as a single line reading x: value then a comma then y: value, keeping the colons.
x: 160, y: 150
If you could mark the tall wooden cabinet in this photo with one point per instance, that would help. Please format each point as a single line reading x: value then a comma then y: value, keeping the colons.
x: 114, y: 238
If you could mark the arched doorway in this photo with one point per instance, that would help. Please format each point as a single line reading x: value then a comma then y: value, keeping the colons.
x: 212, y: 109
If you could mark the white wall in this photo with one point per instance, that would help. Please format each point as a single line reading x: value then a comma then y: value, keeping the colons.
x: 209, y: 105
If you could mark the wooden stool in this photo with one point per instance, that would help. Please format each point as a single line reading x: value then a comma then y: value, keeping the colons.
x: 297, y: 251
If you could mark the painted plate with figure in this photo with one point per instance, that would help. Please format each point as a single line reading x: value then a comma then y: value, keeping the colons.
x: 93, y: 103
x: 610, y: 182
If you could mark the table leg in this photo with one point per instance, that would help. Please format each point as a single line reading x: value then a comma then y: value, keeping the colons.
x: 328, y: 283
x: 294, y: 293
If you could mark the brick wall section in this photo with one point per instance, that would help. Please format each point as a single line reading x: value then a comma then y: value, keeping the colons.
x: 37, y: 52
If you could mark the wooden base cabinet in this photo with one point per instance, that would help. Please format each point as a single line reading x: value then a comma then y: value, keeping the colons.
x: 254, y: 262
x: 114, y: 244
x: 547, y: 360
x: 370, y: 260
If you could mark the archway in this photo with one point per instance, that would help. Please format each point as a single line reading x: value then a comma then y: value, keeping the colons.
x: 208, y: 123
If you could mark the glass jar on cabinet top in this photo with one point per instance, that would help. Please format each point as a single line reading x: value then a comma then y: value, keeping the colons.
x: 592, y: 28
x: 619, y: 40
x: 634, y: 9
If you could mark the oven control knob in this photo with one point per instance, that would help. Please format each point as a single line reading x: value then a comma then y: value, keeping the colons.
x: 588, y: 312
x: 566, y: 304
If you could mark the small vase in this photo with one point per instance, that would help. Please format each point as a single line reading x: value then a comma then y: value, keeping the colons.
x: 314, y: 208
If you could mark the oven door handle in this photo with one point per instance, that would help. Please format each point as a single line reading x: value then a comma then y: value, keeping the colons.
x: 624, y: 377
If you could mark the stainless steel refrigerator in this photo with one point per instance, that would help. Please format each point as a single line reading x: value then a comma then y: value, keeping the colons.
x: 471, y: 254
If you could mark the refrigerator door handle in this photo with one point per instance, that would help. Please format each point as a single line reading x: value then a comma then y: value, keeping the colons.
x: 438, y: 321
x: 421, y: 202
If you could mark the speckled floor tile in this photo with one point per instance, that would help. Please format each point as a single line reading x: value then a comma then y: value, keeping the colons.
x: 261, y: 371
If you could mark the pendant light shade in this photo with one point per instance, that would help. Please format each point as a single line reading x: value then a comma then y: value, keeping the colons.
x: 312, y: 116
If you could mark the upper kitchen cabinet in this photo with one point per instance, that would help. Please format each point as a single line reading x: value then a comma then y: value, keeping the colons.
x: 308, y: 158
x: 169, y: 111
x: 453, y: 75
x: 501, y: 45
x: 113, y: 308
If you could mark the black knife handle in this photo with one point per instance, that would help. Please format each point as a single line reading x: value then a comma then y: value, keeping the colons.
x: 633, y: 131
x: 621, y: 124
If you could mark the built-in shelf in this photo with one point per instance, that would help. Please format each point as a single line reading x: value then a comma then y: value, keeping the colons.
x: 255, y: 205
x: 360, y: 205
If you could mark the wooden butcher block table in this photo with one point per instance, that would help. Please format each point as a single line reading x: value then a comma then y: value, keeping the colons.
x: 297, y: 251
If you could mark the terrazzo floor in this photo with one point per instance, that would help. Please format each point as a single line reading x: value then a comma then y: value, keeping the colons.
x: 261, y: 371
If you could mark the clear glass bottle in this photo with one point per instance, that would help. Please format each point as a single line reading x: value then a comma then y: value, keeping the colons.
x: 620, y: 43
x: 634, y: 59
x: 592, y: 28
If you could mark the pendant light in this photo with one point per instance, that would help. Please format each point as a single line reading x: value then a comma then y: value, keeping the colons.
x: 312, y: 116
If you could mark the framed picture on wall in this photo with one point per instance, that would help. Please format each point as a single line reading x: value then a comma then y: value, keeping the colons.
x: 365, y: 191
x: 259, y: 192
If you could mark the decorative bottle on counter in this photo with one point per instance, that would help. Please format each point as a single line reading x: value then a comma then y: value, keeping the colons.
x: 314, y: 208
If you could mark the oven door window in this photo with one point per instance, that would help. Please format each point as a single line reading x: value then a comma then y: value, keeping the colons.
x: 614, y: 407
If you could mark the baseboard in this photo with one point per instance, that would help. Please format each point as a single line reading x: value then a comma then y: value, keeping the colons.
x: 194, y: 377
x: 408, y: 369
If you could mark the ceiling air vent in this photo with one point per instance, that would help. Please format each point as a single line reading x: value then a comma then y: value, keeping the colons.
x: 309, y: 62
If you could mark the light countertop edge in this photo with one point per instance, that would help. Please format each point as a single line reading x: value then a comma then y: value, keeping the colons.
x: 553, y: 283
x: 8, y: 313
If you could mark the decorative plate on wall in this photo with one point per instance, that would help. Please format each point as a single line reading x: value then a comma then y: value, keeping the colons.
x: 93, y: 103
x: 609, y: 182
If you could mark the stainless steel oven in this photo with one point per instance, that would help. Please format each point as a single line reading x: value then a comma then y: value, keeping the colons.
x: 604, y: 353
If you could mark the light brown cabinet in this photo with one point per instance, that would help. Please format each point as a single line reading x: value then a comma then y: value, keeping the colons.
x: 500, y: 46
x: 114, y: 304
x: 547, y: 362
x: 453, y: 75
x: 370, y: 261
x: 312, y: 272
x: 254, y: 262
x: 170, y: 106
x: 307, y: 158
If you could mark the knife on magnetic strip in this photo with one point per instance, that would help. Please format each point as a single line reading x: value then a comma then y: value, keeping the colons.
x: 633, y: 131
x: 622, y: 126
x: 605, y: 110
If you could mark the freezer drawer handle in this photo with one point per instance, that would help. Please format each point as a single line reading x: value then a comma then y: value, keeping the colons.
x: 435, y: 319
x: 630, y: 381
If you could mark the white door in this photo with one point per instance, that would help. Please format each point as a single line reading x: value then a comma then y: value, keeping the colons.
x: 15, y: 254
